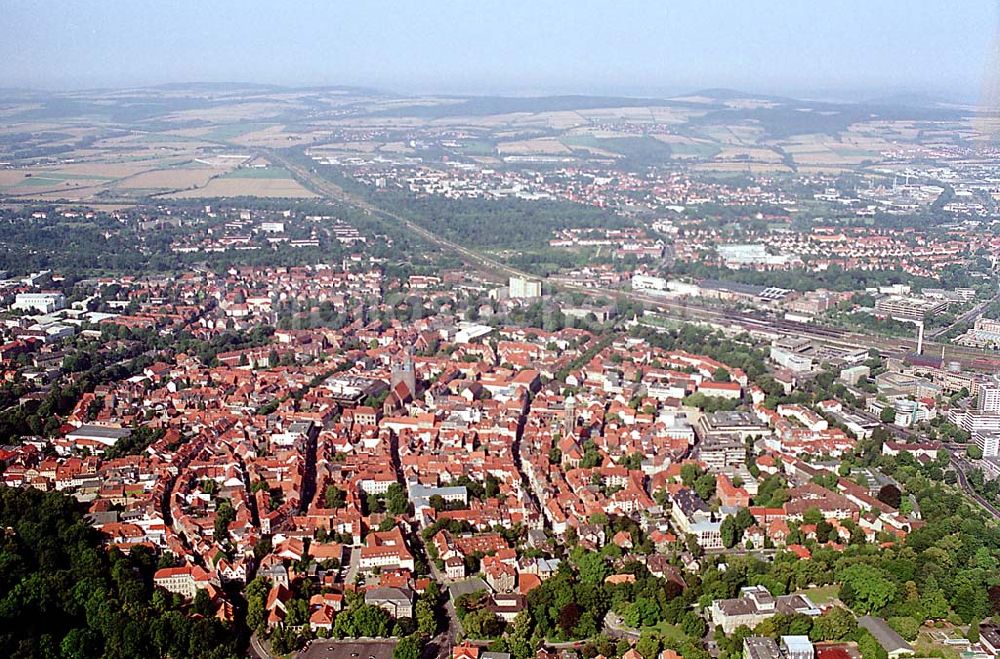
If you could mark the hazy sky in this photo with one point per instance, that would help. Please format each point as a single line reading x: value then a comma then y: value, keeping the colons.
x: 510, y: 46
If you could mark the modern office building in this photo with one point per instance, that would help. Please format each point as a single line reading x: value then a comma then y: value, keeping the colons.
x: 908, y: 308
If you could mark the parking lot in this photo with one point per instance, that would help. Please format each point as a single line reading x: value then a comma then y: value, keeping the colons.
x: 349, y: 650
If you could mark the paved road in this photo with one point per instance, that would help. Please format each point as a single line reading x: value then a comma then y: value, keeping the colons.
x: 615, y: 628
x: 354, y: 565
x: 257, y: 648
x: 441, y: 645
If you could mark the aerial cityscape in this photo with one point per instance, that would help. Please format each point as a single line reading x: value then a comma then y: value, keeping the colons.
x: 382, y: 354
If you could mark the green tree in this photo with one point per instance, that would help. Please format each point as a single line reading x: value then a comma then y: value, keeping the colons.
x: 592, y: 567
x: 887, y: 415
x: 426, y: 617
x: 869, y: 647
x: 335, y: 497
x: 224, y: 515
x: 704, y: 486
x: 202, y: 604
x: 395, y: 499
x: 256, y: 596
x: 890, y: 495
x: 871, y: 590
x: 649, y: 645
x: 694, y: 625
x: 835, y: 625
x: 905, y: 626
x: 482, y: 624
x: 408, y: 647
x: 728, y: 531
x: 812, y: 516
x: 721, y: 375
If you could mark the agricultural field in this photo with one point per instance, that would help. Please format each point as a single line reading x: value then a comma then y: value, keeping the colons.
x: 249, y: 182
x: 544, y: 146
x: 198, y: 142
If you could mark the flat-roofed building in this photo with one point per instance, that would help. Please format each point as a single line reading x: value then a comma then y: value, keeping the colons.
x: 760, y: 647
x: 522, y: 287
x: 854, y: 374
x: 721, y: 451
x: 796, y: 647
x: 740, y: 424
x: 989, y: 397
x: 908, y: 308
x: 40, y: 302
x: 106, y: 435
x: 988, y: 441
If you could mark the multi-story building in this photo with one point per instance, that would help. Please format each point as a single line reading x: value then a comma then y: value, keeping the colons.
x: 397, y: 602
x: 729, y: 424
x: 988, y: 442
x: 692, y: 516
x: 972, y: 421
x: 908, y: 308
x: 989, y: 397
x: 854, y: 374
x: 755, y: 605
x: 721, y: 451
x: 521, y: 287
x: 793, y: 362
x: 186, y: 580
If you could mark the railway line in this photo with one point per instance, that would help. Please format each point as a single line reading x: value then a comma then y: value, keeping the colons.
x: 682, y: 310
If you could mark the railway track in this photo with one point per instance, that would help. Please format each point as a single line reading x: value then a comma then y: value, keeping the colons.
x: 681, y: 310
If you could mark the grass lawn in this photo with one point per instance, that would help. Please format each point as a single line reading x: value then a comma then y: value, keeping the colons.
x: 259, y: 172
x: 822, y: 594
x: 668, y: 632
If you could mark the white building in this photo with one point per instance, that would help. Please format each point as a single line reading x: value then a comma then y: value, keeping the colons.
x: 973, y: 422
x: 989, y: 397
x: 186, y: 580
x: 854, y: 374
x: 648, y: 283
x: 520, y: 287
x: 40, y: 302
x: 793, y: 361
x: 988, y: 443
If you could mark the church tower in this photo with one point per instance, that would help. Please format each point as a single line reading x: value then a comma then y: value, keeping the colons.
x: 403, y: 371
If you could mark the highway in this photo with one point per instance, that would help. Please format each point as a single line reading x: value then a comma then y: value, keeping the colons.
x: 680, y: 309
